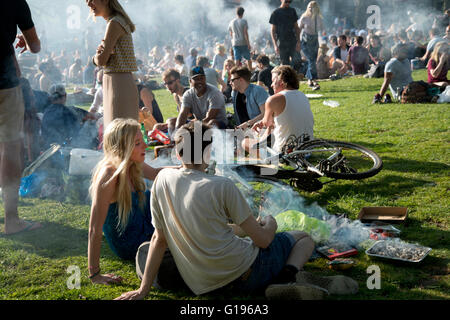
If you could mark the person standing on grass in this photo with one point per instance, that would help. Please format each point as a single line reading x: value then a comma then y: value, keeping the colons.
x: 209, y: 252
x: 116, y: 55
x: 310, y: 25
x: 286, y: 33
x: 13, y: 14
x: 238, y: 29
x: 120, y: 204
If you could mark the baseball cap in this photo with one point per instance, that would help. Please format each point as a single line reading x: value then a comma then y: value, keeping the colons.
x: 197, y: 71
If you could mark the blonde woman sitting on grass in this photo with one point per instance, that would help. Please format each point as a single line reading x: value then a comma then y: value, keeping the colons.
x: 120, y: 203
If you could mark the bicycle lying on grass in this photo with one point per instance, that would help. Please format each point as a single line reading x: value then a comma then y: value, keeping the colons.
x: 303, y: 162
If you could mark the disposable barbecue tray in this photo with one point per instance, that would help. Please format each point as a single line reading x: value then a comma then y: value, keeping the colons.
x: 399, y: 251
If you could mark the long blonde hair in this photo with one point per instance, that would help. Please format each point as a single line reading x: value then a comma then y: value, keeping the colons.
x: 224, y: 70
x: 439, y: 48
x: 315, y: 10
x: 116, y: 9
x: 118, y: 145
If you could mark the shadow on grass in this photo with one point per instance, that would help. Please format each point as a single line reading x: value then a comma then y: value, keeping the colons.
x: 372, y: 146
x: 54, y: 241
x: 386, y: 187
x: 413, y: 230
x: 407, y: 165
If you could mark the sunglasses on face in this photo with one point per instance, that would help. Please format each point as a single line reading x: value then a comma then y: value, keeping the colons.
x: 234, y: 79
x: 168, y: 83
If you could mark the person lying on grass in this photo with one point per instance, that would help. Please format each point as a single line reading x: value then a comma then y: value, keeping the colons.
x: 120, y: 204
x: 209, y: 252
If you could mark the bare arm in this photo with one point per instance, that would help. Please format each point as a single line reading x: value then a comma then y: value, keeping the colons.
x: 426, y: 56
x: 437, y: 71
x: 113, y: 32
x: 387, y: 80
x: 147, y: 98
x: 247, y: 38
x: 29, y: 40
x: 274, y: 38
x: 150, y: 172
x: 222, y: 83
x: 261, y: 233
x: 158, y: 246
x: 211, y: 115
x: 273, y: 107
x: 251, y: 122
x: 182, y: 117
x: 102, y: 197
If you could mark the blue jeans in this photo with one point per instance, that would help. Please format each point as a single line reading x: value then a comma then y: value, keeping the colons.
x: 310, y: 47
x: 268, y: 263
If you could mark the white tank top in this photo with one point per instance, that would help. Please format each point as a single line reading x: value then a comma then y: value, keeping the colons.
x: 296, y: 119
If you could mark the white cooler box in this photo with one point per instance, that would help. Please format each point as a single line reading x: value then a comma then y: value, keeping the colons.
x: 83, y: 161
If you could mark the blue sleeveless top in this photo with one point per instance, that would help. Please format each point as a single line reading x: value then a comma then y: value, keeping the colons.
x: 138, y: 230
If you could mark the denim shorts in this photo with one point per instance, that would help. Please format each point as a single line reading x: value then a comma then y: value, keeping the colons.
x: 241, y: 52
x: 268, y: 263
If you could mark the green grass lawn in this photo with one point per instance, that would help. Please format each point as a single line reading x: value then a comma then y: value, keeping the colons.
x: 413, y: 141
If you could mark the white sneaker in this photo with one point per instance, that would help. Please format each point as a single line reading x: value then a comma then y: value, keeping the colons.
x: 294, y: 291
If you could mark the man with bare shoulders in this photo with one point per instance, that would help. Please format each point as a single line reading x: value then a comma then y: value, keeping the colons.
x: 13, y: 14
x: 287, y: 112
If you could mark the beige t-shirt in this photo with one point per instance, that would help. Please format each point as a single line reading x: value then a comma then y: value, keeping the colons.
x: 206, y: 251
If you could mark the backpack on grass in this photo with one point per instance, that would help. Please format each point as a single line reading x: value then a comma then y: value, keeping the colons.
x: 416, y: 92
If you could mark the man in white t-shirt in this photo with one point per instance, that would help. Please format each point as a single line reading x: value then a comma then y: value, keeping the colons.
x: 238, y: 29
x: 191, y: 211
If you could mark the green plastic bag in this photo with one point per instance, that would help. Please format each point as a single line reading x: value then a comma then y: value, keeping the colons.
x: 290, y: 220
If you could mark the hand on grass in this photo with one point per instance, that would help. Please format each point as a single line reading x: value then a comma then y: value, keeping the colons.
x: 131, y: 295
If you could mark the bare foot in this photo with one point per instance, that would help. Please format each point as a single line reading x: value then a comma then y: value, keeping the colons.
x: 21, y: 226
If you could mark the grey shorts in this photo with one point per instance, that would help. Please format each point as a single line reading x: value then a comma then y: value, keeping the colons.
x: 11, y: 114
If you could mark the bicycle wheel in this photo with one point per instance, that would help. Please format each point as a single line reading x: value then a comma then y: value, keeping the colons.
x: 353, y: 162
x: 265, y: 195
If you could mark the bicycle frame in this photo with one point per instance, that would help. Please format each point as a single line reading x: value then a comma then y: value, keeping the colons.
x: 299, y: 163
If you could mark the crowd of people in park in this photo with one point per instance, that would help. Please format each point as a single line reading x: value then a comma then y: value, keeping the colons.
x: 209, y: 239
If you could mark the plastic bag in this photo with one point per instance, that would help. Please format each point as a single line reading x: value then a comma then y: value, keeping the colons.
x: 290, y: 220
x: 30, y: 186
x: 444, y: 97
x: 331, y: 103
